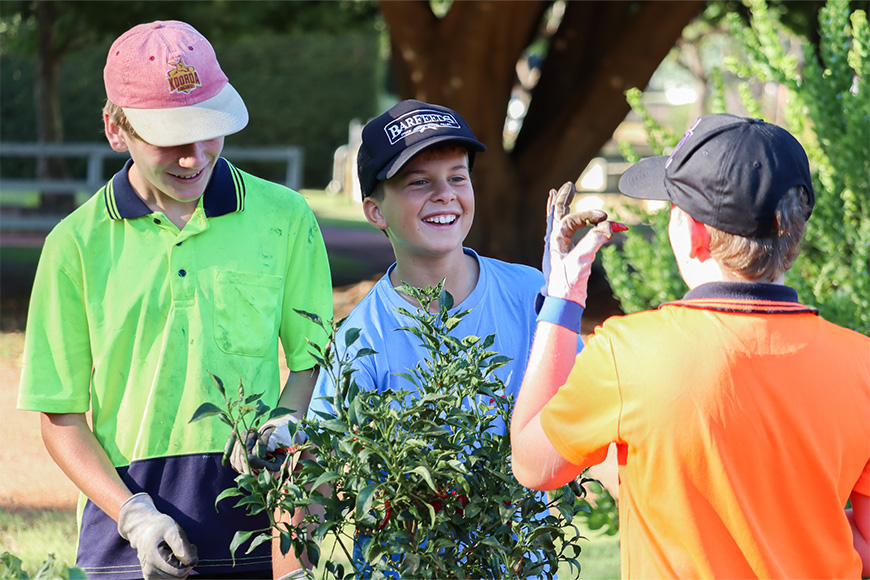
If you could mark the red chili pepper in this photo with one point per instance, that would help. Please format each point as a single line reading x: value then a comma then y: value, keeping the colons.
x: 618, y: 227
x: 388, y: 512
x: 281, y: 451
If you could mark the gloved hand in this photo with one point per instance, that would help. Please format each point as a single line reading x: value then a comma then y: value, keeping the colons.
x: 268, y: 447
x: 569, y: 265
x: 164, y: 551
x: 558, y: 206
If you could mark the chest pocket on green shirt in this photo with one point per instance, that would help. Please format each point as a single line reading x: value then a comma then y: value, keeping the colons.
x: 247, y: 311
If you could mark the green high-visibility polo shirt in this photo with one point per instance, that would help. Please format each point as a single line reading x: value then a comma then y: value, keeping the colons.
x: 129, y: 315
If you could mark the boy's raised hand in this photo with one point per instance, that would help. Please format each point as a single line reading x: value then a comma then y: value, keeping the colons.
x: 558, y: 206
x: 566, y: 266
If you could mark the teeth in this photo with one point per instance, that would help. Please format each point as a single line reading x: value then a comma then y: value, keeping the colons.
x: 186, y: 176
x: 441, y: 219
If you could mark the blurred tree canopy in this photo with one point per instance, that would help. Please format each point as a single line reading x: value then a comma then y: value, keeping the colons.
x: 570, y: 64
x: 304, y: 69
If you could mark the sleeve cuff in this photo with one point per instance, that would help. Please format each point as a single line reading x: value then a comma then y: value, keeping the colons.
x: 564, y: 313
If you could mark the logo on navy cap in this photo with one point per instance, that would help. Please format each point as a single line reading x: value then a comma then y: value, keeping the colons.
x: 417, y: 122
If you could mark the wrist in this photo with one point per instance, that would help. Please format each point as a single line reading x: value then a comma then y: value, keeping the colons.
x: 562, y: 312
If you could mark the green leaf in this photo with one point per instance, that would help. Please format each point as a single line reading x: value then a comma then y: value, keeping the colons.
x: 257, y: 541
x: 310, y: 316
x: 240, y: 538
x: 205, y: 410
x: 426, y: 475
x: 351, y: 336
x: 324, y: 478
x: 364, y: 499
x: 219, y: 384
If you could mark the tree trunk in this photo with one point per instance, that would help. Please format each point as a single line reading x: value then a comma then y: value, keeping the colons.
x: 467, y: 61
x: 49, y: 120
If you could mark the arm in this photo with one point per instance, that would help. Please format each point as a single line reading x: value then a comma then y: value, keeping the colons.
x: 536, y: 463
x: 859, y: 518
x: 296, y: 395
x: 297, y: 391
x: 73, y: 446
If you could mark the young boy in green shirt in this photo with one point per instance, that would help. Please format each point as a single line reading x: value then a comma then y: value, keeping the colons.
x: 181, y: 266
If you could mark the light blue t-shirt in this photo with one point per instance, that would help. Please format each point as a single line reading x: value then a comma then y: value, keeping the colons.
x: 502, y: 303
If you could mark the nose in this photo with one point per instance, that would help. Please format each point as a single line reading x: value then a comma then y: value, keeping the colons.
x: 191, y: 155
x: 443, y: 191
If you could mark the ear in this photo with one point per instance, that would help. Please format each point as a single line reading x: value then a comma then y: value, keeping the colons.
x: 373, y: 213
x: 114, y: 134
x: 699, y: 238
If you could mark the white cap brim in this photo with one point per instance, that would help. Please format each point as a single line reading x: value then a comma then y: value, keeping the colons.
x: 221, y: 115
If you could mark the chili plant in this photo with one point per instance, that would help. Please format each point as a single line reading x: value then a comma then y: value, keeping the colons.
x: 417, y: 481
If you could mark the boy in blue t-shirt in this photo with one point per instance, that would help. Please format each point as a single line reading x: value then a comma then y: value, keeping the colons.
x: 414, y: 169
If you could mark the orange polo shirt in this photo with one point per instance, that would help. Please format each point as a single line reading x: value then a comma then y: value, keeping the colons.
x: 742, y: 421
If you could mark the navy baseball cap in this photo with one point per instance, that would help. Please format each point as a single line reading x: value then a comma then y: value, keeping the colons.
x: 392, y: 139
x: 727, y: 172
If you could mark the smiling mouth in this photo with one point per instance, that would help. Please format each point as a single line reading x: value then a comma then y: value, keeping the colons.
x: 188, y: 177
x: 441, y: 219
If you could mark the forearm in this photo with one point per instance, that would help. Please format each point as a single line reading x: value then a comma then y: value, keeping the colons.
x: 297, y: 391
x: 554, y: 351
x: 535, y: 462
x: 73, y: 446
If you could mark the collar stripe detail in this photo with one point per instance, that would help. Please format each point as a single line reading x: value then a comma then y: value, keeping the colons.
x: 225, y: 193
x: 744, y: 297
x: 111, y: 206
x: 239, y: 186
x: 744, y: 306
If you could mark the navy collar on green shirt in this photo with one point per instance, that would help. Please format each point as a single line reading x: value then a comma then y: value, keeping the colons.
x: 225, y: 193
x: 745, y: 297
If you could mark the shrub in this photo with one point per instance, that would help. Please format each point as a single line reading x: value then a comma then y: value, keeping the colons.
x: 425, y: 476
x: 829, y: 111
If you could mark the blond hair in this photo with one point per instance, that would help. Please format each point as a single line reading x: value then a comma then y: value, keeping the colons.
x: 117, y: 116
x: 765, y: 258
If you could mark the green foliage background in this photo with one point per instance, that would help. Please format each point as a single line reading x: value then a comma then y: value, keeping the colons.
x: 828, y: 109
x: 301, y: 89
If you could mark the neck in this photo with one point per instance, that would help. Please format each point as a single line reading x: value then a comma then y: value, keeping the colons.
x: 176, y: 211
x: 459, y: 271
x: 696, y: 273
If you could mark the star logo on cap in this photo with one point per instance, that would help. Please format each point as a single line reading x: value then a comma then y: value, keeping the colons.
x: 183, y: 78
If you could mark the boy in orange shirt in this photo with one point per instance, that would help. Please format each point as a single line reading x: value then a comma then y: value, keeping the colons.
x: 740, y: 416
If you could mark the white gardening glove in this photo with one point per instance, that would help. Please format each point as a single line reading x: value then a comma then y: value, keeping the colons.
x: 558, y: 206
x: 162, y: 546
x: 269, y: 446
x: 571, y: 265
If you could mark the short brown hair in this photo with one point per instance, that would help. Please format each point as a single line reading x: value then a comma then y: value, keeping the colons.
x: 760, y: 258
x: 117, y: 116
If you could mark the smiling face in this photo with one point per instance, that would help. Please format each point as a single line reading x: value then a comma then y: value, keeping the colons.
x: 428, y: 207
x: 167, y: 176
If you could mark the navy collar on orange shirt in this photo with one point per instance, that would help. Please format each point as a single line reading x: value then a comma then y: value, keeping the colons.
x: 744, y: 297
x: 225, y: 193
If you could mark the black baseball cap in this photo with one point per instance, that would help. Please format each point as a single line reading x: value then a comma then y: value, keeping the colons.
x: 727, y: 172
x: 392, y: 139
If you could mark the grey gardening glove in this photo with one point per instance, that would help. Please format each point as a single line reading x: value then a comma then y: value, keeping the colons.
x: 567, y: 265
x: 268, y: 448
x: 558, y: 206
x: 164, y: 551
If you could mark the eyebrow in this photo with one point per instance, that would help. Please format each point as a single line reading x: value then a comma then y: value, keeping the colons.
x: 457, y: 167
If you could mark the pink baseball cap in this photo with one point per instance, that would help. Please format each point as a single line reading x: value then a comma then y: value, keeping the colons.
x: 166, y: 78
